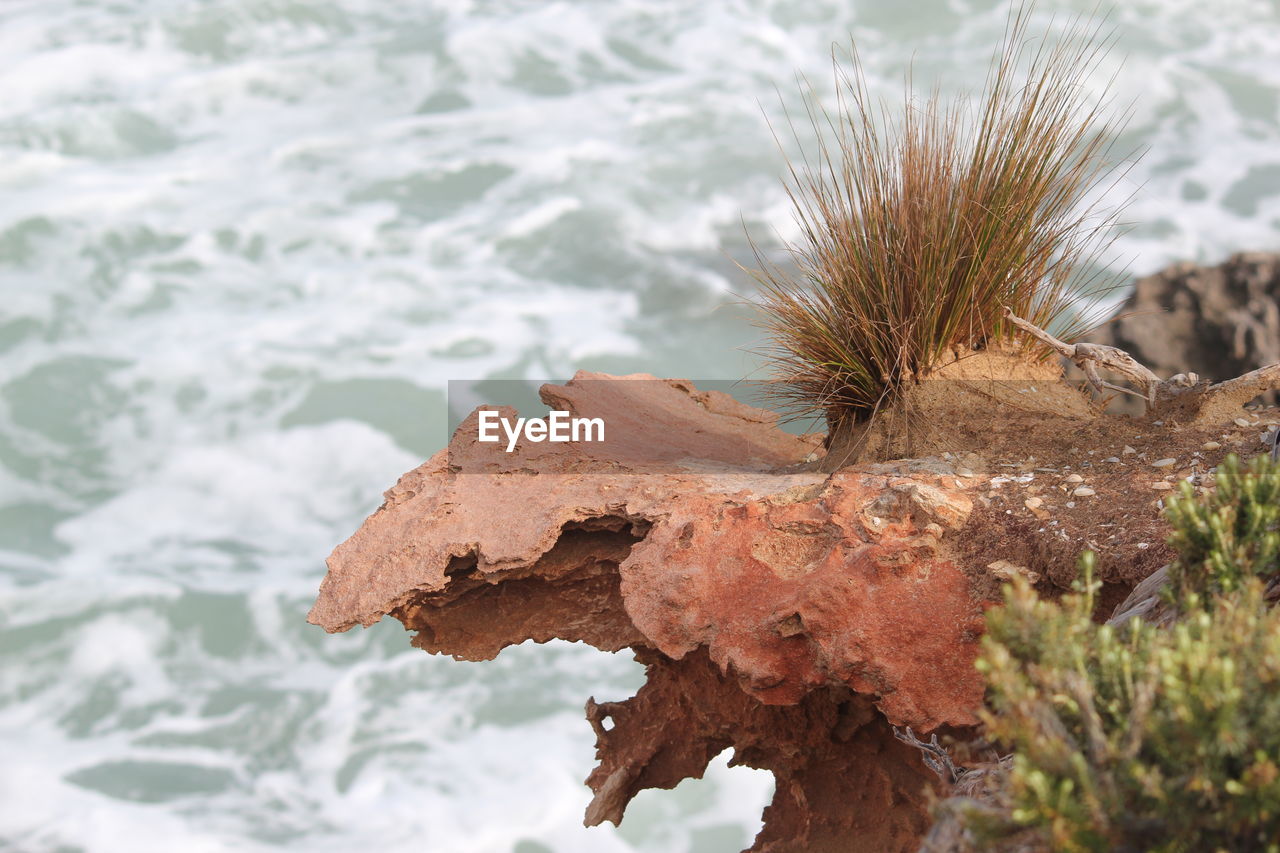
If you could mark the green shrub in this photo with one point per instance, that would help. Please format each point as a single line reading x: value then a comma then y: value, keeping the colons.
x: 1138, y: 738
x: 1231, y: 536
x: 1143, y: 738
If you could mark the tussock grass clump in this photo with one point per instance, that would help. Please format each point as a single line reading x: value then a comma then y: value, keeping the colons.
x: 918, y: 230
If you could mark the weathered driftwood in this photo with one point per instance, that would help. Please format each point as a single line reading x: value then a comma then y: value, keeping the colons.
x: 1221, y: 401
x: 934, y: 755
x: 1090, y: 357
x: 1183, y: 396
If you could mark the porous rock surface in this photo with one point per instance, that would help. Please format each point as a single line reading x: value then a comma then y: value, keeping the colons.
x: 790, y: 615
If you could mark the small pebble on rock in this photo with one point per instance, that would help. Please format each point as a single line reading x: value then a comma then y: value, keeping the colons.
x: 1112, y: 459
x: 1005, y: 570
x: 1211, y: 445
x: 1033, y: 503
x: 1075, y: 478
x: 1084, y: 492
x: 1243, y: 422
x: 1163, y: 463
x: 1127, y: 450
x: 1162, y: 485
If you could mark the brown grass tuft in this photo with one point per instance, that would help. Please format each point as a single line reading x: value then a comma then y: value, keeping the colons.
x: 917, y: 233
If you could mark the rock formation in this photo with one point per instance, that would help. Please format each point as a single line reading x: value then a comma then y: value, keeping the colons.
x: 793, y: 617
x: 788, y: 612
x: 1221, y: 321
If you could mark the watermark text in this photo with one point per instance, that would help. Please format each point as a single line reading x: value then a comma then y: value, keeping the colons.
x: 558, y: 426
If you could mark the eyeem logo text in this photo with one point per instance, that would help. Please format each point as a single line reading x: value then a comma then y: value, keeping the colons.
x: 556, y: 426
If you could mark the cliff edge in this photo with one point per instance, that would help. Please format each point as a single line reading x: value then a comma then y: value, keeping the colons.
x: 792, y: 614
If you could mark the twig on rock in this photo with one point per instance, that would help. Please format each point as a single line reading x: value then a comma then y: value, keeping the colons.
x: 1183, y: 393
x: 935, y: 756
x: 1090, y: 357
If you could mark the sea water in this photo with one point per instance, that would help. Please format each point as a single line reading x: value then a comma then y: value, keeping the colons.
x: 244, y: 245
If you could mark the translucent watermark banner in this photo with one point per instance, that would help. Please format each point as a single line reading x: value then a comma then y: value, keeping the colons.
x: 641, y: 425
x: 620, y: 425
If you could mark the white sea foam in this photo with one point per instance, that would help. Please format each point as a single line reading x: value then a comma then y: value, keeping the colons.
x: 260, y: 493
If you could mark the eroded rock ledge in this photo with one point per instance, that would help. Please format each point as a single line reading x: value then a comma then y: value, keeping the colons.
x: 793, y: 617
x: 790, y: 613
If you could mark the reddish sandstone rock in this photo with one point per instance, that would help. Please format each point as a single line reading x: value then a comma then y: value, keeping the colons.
x: 791, y: 616
x: 835, y: 583
x: 843, y: 782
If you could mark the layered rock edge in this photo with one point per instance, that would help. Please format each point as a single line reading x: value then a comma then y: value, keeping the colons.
x: 789, y: 609
x: 791, y: 615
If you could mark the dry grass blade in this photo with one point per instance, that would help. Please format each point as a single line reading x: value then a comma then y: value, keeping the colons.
x: 916, y: 234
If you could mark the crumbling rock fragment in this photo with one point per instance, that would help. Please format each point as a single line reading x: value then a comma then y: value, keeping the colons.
x: 794, y: 595
x: 843, y: 782
x: 790, y: 615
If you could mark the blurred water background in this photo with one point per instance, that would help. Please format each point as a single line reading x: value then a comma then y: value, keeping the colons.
x: 243, y: 246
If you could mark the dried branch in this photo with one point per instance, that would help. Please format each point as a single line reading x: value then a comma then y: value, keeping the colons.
x: 936, y: 758
x: 1090, y: 357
